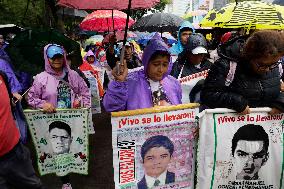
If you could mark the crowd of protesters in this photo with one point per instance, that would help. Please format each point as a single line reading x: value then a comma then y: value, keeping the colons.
x: 245, y: 73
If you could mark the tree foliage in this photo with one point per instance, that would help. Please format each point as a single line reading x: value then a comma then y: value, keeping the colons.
x: 42, y: 13
x: 136, y: 14
x: 25, y: 13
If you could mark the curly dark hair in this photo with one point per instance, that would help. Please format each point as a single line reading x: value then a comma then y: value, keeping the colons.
x: 263, y: 43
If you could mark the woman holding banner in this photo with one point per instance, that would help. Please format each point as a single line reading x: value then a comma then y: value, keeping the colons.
x: 89, y: 64
x: 144, y: 88
x: 58, y: 87
x: 248, y: 74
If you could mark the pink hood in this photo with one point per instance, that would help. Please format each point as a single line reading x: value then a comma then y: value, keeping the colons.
x: 48, y: 67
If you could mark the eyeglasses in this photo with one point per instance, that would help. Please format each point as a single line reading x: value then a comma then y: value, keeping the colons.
x: 270, y: 67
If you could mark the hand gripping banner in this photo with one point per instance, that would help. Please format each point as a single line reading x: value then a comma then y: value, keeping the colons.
x: 155, y: 147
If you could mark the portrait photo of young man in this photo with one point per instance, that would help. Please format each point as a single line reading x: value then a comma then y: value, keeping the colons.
x: 156, y: 153
x: 60, y: 137
x: 250, y: 151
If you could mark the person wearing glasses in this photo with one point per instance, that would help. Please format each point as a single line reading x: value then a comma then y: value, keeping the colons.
x: 247, y: 74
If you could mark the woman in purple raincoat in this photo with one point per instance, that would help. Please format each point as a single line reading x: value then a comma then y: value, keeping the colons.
x: 44, y: 91
x: 147, y: 87
x: 58, y: 87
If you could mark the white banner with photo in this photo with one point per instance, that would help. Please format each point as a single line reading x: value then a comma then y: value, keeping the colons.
x: 240, y: 151
x: 191, y: 86
x: 61, y: 140
x: 95, y: 97
x: 154, y: 148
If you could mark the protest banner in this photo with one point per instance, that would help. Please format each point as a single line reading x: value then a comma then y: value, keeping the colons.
x: 61, y: 140
x: 240, y: 151
x: 136, y: 69
x: 95, y: 97
x: 189, y: 86
x: 155, y: 147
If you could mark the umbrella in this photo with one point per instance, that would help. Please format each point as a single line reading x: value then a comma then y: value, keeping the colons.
x: 72, y: 12
x: 108, y: 4
x: 169, y: 38
x: 247, y: 14
x: 105, y: 20
x: 111, y: 4
x: 94, y: 39
x: 162, y: 22
x: 144, y: 39
x: 9, y: 28
x: 120, y: 36
x: 26, y: 49
x: 278, y: 2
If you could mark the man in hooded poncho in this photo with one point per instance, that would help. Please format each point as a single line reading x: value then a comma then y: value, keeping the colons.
x: 185, y: 30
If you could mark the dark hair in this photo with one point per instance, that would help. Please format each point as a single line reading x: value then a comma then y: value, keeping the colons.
x: 250, y: 132
x: 185, y: 29
x: 159, y: 53
x: 263, y: 43
x: 60, y: 125
x: 157, y: 141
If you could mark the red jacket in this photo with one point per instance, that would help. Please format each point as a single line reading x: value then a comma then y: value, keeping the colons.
x: 9, y: 133
x: 87, y: 67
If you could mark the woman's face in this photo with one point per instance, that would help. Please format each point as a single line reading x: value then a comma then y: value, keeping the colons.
x: 91, y: 59
x: 263, y: 64
x: 158, y: 67
x: 195, y: 59
x: 57, y: 62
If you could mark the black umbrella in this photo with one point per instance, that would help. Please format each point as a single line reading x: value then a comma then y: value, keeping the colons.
x: 9, y: 28
x: 158, y: 22
x: 278, y: 2
x: 72, y: 12
x: 26, y: 49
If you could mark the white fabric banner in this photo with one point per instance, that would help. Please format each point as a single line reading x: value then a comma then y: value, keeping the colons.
x: 95, y: 97
x: 154, y: 150
x: 187, y: 85
x: 240, y: 151
x: 61, y: 140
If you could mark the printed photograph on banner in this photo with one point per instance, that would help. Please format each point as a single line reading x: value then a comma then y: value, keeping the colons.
x: 59, y: 135
x: 249, y: 151
x: 61, y: 140
x: 191, y: 86
x: 155, y: 156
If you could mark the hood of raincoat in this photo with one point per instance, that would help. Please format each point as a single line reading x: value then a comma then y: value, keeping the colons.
x: 89, y: 53
x: 178, y: 48
x: 48, y: 67
x: 155, y: 44
x: 232, y: 48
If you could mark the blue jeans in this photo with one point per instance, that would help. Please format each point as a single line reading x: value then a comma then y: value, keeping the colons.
x: 16, y: 169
